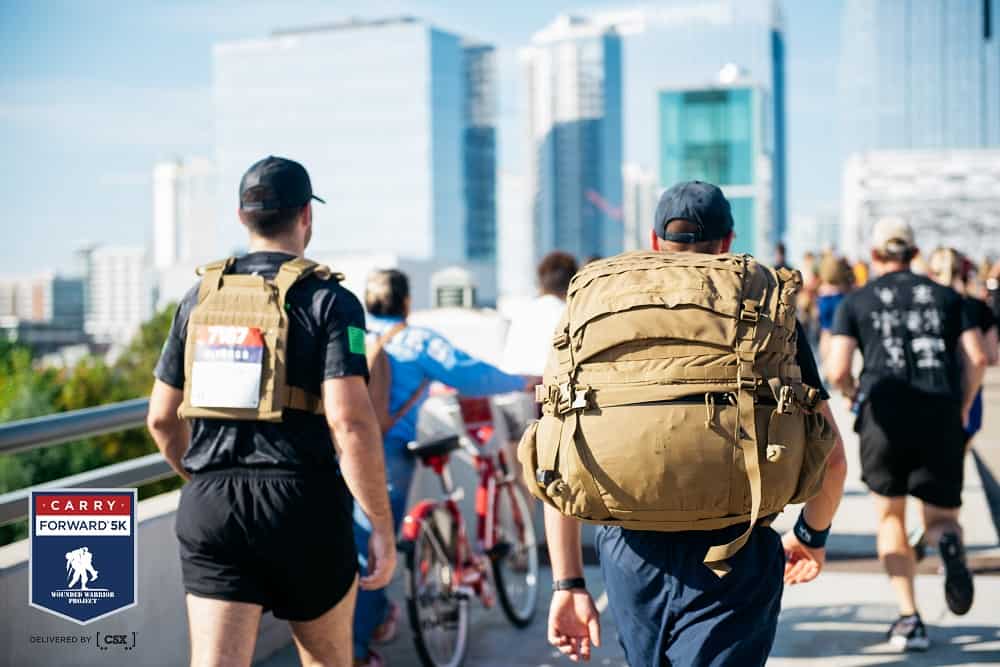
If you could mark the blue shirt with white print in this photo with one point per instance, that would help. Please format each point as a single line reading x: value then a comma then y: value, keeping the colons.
x: 417, y: 354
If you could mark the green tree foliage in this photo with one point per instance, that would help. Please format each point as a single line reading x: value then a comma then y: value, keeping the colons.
x: 27, y: 390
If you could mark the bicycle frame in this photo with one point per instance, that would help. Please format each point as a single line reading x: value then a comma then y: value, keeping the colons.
x: 470, y: 564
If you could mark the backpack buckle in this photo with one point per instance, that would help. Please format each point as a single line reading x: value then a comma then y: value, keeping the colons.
x: 545, y: 477
x: 786, y: 397
x: 580, y: 397
x: 750, y: 311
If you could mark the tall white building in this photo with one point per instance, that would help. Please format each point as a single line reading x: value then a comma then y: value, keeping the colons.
x: 183, y: 212
x: 949, y: 197
x: 573, y: 72
x: 641, y: 193
x: 118, y: 292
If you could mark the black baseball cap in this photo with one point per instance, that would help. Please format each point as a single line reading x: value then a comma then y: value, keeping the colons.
x: 285, y: 181
x: 697, y: 202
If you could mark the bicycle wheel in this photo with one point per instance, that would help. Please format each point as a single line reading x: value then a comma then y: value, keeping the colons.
x: 515, y: 557
x: 439, y: 613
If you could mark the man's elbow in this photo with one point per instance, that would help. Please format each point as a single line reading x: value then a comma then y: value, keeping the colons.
x: 836, y: 466
x: 162, y: 422
x: 840, y: 377
x: 347, y: 426
x: 979, y: 363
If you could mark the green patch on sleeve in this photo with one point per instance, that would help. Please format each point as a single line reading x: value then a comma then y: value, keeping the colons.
x: 356, y: 340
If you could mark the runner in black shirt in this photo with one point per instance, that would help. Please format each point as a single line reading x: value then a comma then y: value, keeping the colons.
x: 265, y: 521
x: 949, y: 267
x: 913, y: 335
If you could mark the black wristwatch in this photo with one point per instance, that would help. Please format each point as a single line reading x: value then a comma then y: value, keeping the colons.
x: 569, y: 584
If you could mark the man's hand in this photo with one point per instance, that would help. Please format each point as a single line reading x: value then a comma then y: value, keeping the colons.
x: 802, y: 564
x: 381, y: 560
x: 574, y: 624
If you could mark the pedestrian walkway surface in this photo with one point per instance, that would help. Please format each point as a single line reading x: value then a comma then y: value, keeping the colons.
x: 839, y: 620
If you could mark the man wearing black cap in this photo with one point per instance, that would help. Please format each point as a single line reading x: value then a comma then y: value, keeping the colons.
x: 265, y: 520
x: 668, y: 606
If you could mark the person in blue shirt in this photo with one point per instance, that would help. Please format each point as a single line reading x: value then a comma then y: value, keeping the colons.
x: 416, y: 356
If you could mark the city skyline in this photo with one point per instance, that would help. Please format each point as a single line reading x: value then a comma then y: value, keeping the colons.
x: 125, y: 185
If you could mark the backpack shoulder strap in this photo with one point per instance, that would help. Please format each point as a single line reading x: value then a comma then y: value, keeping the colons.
x: 211, y: 276
x: 295, y: 270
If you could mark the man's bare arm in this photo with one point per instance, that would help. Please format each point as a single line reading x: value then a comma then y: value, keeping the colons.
x: 974, y: 362
x: 574, y: 622
x: 820, y: 510
x: 839, y: 365
x: 170, y: 432
x: 562, y: 533
x: 358, y: 440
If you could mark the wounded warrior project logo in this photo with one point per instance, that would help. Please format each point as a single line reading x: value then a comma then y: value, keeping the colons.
x: 83, y: 553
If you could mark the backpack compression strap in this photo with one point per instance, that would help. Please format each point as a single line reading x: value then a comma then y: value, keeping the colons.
x: 746, y: 428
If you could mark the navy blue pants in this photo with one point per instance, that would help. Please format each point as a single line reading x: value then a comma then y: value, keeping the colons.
x: 671, y: 609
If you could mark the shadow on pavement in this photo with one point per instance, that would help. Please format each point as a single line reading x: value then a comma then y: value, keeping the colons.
x: 856, y: 635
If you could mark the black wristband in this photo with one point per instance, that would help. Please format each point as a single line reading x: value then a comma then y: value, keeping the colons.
x: 569, y: 584
x: 812, y: 538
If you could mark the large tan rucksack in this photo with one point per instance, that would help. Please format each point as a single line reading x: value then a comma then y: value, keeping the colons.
x: 235, y: 355
x: 673, y: 401
x: 380, y: 381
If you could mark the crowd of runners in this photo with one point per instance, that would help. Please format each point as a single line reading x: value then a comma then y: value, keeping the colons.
x: 681, y: 407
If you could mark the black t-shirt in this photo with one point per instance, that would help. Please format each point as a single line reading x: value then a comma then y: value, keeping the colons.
x: 908, y: 328
x: 807, y: 362
x: 980, y: 314
x: 320, y: 314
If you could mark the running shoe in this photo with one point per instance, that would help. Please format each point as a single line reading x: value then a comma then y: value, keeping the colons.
x: 909, y: 634
x: 958, y: 588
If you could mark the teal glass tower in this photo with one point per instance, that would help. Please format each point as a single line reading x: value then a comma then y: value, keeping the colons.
x: 720, y: 135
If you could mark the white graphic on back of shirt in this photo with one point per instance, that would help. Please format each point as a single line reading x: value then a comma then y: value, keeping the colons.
x: 923, y: 294
x: 895, y: 353
x: 885, y: 322
x: 928, y: 351
x: 919, y: 328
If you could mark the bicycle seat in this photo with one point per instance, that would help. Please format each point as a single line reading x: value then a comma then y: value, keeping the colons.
x: 436, y: 447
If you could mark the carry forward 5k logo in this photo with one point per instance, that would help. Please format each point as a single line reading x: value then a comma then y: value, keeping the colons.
x: 83, y: 553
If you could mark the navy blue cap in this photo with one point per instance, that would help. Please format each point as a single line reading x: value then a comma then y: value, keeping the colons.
x: 277, y: 183
x: 697, y: 202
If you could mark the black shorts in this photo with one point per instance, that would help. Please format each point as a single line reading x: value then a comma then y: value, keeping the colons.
x: 912, y: 444
x: 268, y: 537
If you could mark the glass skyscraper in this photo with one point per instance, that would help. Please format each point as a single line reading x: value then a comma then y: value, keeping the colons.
x: 395, y: 121
x: 479, y: 152
x: 574, y: 78
x: 683, y: 45
x: 921, y: 74
x: 719, y: 135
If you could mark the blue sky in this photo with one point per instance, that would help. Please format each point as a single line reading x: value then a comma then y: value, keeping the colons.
x: 92, y: 93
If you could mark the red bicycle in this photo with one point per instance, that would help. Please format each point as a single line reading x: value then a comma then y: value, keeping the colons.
x: 443, y: 571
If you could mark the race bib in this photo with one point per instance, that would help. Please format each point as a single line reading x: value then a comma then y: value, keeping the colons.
x: 228, y: 363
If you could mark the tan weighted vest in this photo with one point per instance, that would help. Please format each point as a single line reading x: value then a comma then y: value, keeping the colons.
x: 251, y: 301
x: 673, y: 400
